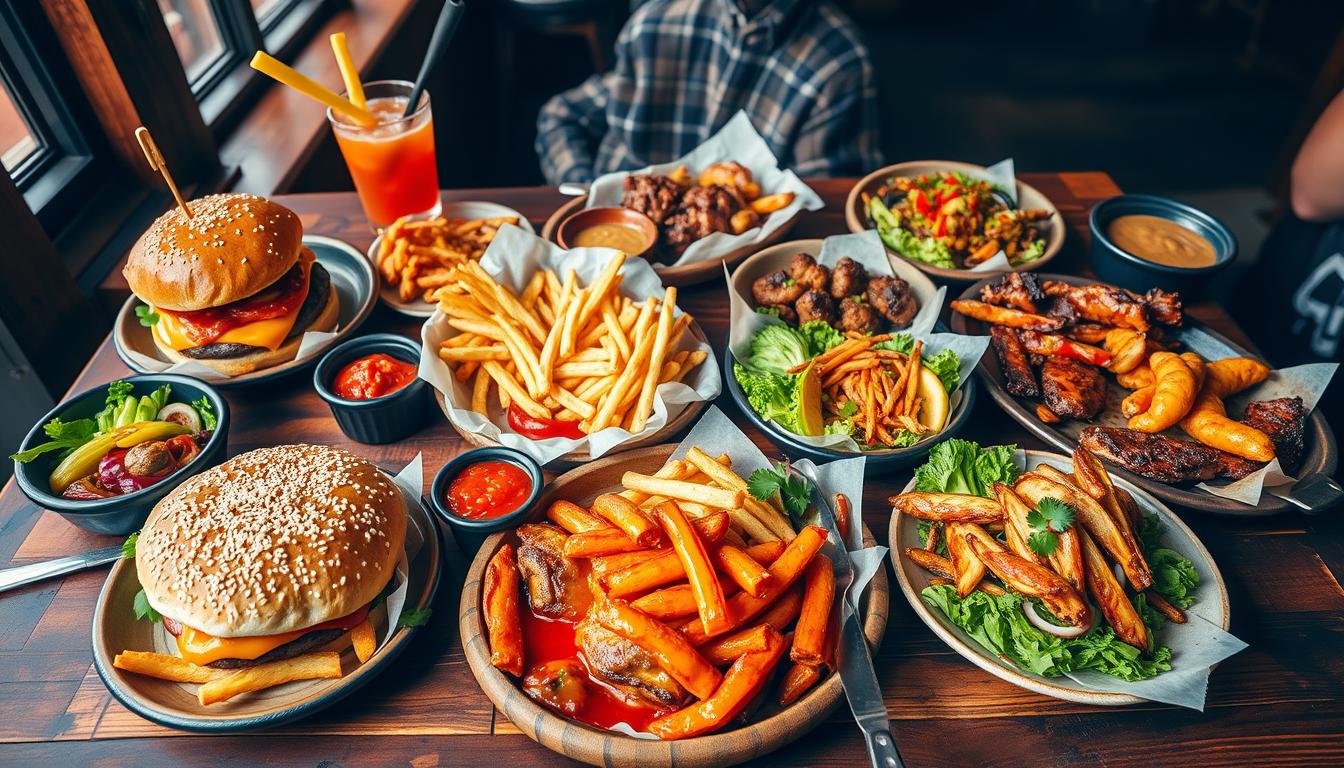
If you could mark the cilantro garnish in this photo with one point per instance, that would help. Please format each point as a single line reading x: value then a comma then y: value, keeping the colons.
x: 1050, y: 518
x: 147, y: 316
x: 793, y: 489
x: 143, y: 610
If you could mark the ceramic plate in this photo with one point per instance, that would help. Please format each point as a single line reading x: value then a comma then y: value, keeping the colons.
x: 115, y: 628
x: 1211, y: 597
x: 352, y: 278
x: 1319, y: 458
x: 463, y: 210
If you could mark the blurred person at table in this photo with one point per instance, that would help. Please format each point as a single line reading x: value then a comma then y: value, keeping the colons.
x: 1291, y: 301
x: 685, y: 67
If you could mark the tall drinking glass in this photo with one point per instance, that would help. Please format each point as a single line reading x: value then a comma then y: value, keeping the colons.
x: 392, y: 162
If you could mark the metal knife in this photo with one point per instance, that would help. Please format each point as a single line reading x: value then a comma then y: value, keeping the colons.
x: 10, y: 578
x: 853, y: 659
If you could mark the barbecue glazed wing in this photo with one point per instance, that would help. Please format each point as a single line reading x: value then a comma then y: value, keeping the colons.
x: 1018, y: 377
x: 849, y: 278
x: 1284, y: 420
x: 626, y: 667
x: 815, y: 305
x: 1071, y: 388
x: 1100, y: 304
x: 775, y: 289
x: 703, y: 211
x: 653, y: 195
x: 806, y: 272
x: 1019, y: 290
x: 1162, y: 458
x: 556, y: 587
x: 893, y: 299
x: 1013, y: 318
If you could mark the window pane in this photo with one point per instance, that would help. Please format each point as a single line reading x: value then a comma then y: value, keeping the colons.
x: 194, y: 32
x: 16, y: 138
x: 264, y: 8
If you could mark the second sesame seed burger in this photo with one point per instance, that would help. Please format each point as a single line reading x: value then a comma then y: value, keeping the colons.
x: 274, y: 553
x: 232, y: 286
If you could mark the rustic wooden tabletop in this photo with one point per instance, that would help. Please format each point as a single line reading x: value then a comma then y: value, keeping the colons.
x: 1280, y: 702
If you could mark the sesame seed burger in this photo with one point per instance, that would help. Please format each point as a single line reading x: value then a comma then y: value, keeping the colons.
x: 232, y: 286
x: 272, y: 554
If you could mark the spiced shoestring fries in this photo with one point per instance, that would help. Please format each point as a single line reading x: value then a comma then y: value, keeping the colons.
x: 585, y: 356
x: 419, y: 257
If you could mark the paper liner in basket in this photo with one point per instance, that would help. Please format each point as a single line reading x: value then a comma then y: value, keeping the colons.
x: 512, y: 258
x: 736, y: 141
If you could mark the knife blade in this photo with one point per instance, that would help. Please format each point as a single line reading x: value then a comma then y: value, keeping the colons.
x: 853, y: 659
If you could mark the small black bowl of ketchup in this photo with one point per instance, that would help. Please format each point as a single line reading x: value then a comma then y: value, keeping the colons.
x: 371, y: 385
x: 484, y: 491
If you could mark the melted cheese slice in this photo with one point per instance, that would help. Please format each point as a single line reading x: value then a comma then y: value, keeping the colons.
x: 171, y: 333
x: 200, y: 648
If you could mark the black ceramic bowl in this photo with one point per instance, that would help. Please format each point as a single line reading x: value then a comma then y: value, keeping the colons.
x: 119, y: 515
x: 470, y: 533
x: 383, y: 419
x: 875, y: 461
x: 1126, y: 270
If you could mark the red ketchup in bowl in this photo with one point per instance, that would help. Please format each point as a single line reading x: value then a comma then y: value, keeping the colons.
x: 488, y: 490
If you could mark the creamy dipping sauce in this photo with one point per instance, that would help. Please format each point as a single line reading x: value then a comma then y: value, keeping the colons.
x: 623, y: 238
x: 1161, y: 241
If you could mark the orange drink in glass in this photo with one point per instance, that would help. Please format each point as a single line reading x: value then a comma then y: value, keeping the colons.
x: 392, y: 163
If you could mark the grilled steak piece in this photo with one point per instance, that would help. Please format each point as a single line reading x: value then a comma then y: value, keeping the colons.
x: 555, y: 585
x: 1071, y: 388
x: 1019, y: 290
x: 1018, y: 376
x: 1099, y: 303
x: 626, y: 667
x: 1163, y: 458
x: 1284, y: 420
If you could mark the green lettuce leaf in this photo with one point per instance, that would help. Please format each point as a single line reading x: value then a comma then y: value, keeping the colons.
x: 820, y: 336
x: 65, y: 437
x: 1174, y: 576
x: 773, y: 396
x: 776, y: 349
x: 946, y: 365
x: 962, y: 466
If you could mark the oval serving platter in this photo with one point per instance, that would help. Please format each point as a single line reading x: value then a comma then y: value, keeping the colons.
x: 115, y: 628
x: 1320, y: 457
x: 352, y: 277
x: 777, y: 257
x: 1027, y: 196
x: 606, y: 748
x: 686, y: 274
x: 469, y: 209
x: 1211, y: 596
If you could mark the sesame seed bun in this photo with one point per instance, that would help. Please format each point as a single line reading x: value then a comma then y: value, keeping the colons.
x: 274, y: 540
x: 233, y: 246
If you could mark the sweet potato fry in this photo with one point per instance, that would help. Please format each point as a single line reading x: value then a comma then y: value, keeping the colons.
x: 798, y: 680
x: 363, y: 640
x: 573, y: 518
x: 324, y: 664
x: 966, y: 567
x: 667, y: 567
x: 725, y: 650
x: 748, y: 574
x: 499, y: 603
x: 165, y: 667
x: 1111, y: 597
x: 679, y: 602
x: 699, y: 570
x: 627, y: 516
x: 744, y: 679
x: 948, y: 507
x: 1159, y: 602
x: 809, y: 635
x: 604, y: 564
x: 669, y: 648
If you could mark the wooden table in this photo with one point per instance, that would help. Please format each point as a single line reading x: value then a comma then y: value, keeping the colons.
x: 1281, y: 702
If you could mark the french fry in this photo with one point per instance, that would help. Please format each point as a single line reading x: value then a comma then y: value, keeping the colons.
x: 809, y: 636
x: 680, y: 489
x: 499, y: 604
x: 669, y: 649
x: 166, y: 667
x: 695, y: 560
x: 726, y: 649
x: 507, y: 384
x: 769, y: 516
x: 604, y: 564
x: 644, y: 404
x: 748, y: 574
x: 669, y: 567
x: 931, y: 561
x: 627, y: 516
x: 310, y: 666
x: 573, y: 518
x: 744, y: 679
x: 363, y: 640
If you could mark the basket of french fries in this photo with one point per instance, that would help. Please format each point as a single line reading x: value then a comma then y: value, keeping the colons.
x: 701, y: 607
x: 564, y: 354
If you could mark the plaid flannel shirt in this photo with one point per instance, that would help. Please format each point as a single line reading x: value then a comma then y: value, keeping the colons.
x: 685, y: 67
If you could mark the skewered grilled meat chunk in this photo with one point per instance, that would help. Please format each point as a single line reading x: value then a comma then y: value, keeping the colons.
x: 1284, y: 420
x: 1162, y: 458
x: 1071, y: 388
x: 815, y: 305
x: 776, y: 288
x: 1019, y: 290
x: 784, y: 312
x: 555, y: 586
x: 653, y: 195
x: 849, y: 278
x: 1019, y: 379
x: 703, y: 211
x: 893, y: 299
x: 625, y: 666
x: 857, y: 315
x: 808, y: 273
x: 1098, y: 303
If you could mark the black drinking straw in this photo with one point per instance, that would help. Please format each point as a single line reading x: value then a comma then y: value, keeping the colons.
x: 444, y: 29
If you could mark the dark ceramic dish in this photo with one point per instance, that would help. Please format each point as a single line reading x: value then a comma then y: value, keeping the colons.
x: 875, y: 461
x: 589, y: 217
x: 119, y: 515
x: 470, y: 533
x: 1126, y: 270
x: 383, y: 419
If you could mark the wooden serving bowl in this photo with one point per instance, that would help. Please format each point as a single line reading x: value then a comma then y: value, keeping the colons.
x: 1027, y: 197
x: 688, y: 274
x: 609, y: 748
x: 578, y: 221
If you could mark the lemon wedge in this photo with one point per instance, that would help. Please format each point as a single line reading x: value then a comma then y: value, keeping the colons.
x: 933, y: 400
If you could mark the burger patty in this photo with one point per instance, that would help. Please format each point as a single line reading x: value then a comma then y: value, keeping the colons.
x: 309, y: 642
x: 319, y: 286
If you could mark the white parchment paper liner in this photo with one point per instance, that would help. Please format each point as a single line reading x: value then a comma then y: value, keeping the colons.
x: 736, y: 141
x: 411, y: 482
x: 512, y: 258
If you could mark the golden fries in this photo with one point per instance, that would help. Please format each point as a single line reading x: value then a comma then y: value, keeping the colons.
x: 363, y: 640
x: 166, y: 667
x: 310, y: 666
x: 420, y: 257
x: 562, y: 351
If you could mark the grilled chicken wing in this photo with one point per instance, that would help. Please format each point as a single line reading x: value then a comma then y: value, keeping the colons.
x: 1163, y: 307
x: 1071, y: 388
x: 806, y: 272
x: 948, y: 507
x: 626, y: 667
x: 1100, y: 304
x: 555, y: 584
x: 849, y: 278
x: 892, y: 297
x: 1034, y: 486
x: 653, y: 195
x: 1031, y: 579
x: 1018, y: 376
x: 1019, y: 290
x: 858, y: 316
x: 1013, y: 318
x: 775, y: 289
x: 1162, y: 458
x: 702, y: 211
x: 1284, y: 420
x: 815, y: 305
x: 1111, y: 597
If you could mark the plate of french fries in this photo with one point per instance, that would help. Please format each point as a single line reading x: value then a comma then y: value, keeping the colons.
x: 414, y: 258
x: 641, y: 549
x: 138, y: 660
x: 564, y: 354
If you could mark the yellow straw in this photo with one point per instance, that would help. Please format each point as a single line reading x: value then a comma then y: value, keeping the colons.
x: 267, y: 64
x: 348, y: 71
